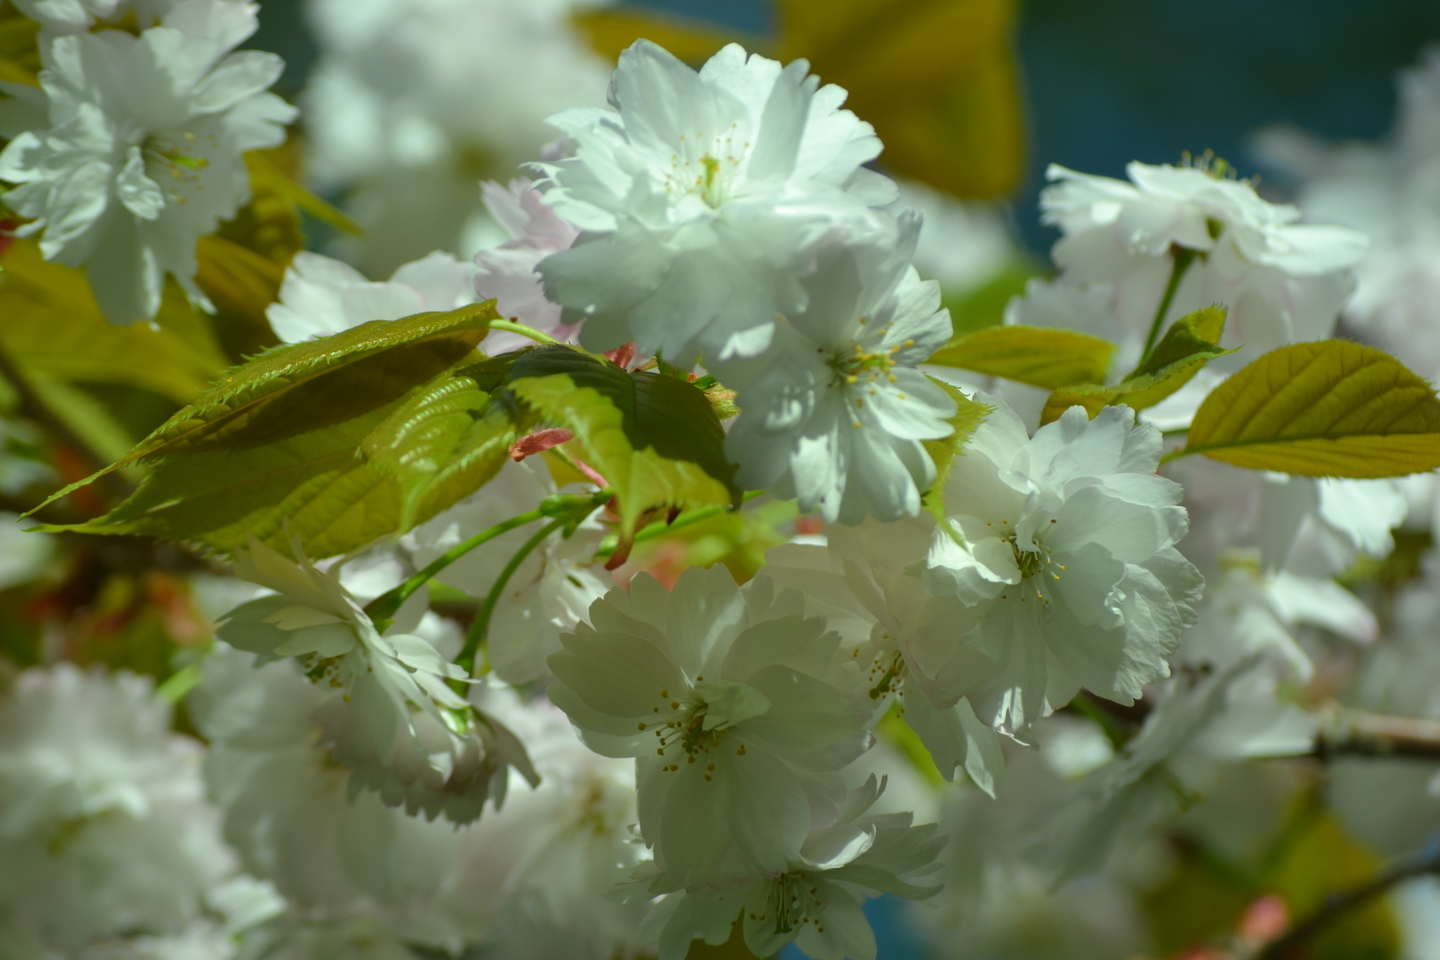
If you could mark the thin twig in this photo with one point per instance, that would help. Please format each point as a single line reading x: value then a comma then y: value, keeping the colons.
x: 1337, y: 905
x: 1347, y: 732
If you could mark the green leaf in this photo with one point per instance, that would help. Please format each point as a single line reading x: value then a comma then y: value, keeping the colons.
x: 1191, y: 342
x: 655, y: 440
x: 310, y: 485
x: 968, y: 415
x: 53, y: 328
x: 1325, y: 409
x: 1039, y: 356
x: 443, y: 443
x: 1192, y: 335
x: 298, y: 389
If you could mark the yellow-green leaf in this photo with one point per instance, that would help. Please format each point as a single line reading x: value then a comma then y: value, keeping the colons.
x: 299, y: 389
x: 310, y: 486
x: 936, y: 78
x: 19, y: 47
x: 1193, y: 335
x: 241, y: 283
x: 1189, y: 344
x: 1039, y: 356
x: 270, y: 181
x: 52, y: 327
x: 968, y: 415
x: 654, y: 439
x: 612, y: 30
x: 1325, y: 409
x: 442, y: 444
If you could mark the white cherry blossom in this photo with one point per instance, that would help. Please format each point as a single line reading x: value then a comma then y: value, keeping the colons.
x: 863, y: 583
x: 1199, y: 726
x: 835, y: 410
x: 1282, y: 281
x: 699, y: 195
x: 1063, y: 547
x: 1247, y: 610
x: 143, y: 153
x: 344, y: 864
x: 320, y: 296
x: 399, y: 726
x: 104, y: 830
x: 547, y: 594
x: 404, y: 116
x: 77, y: 16
x: 815, y: 902
x: 723, y: 699
x: 507, y: 271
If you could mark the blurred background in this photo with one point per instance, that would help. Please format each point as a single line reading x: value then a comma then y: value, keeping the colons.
x: 410, y: 103
x: 1104, y: 82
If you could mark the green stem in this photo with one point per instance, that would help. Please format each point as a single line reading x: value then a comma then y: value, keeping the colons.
x: 609, y: 545
x: 481, y: 627
x: 383, y: 607
x: 511, y: 326
x: 1180, y: 260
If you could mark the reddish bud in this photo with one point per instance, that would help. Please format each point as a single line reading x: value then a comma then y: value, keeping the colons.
x: 539, y: 442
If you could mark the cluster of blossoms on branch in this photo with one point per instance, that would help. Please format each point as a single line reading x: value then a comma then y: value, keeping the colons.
x: 599, y: 760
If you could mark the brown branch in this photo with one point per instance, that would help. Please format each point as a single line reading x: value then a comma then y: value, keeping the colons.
x: 1288, y: 945
x: 1347, y: 732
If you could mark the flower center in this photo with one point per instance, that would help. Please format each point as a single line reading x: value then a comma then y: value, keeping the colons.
x: 1037, y: 569
x: 179, y: 161
x: 697, y: 720
x: 861, y: 370
x: 889, y: 668
x: 709, y: 175
x: 858, y: 362
x: 790, y: 900
x: 324, y: 670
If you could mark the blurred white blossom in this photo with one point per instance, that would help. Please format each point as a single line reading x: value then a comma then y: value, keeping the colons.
x: 412, y: 102
x: 143, y: 153
x: 105, y: 834
x: 320, y: 296
x: 1391, y: 191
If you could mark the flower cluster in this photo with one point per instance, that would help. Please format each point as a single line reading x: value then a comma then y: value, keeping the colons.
x: 104, y: 828
x: 142, y: 153
x: 396, y: 723
x: 726, y: 215
x: 552, y: 690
